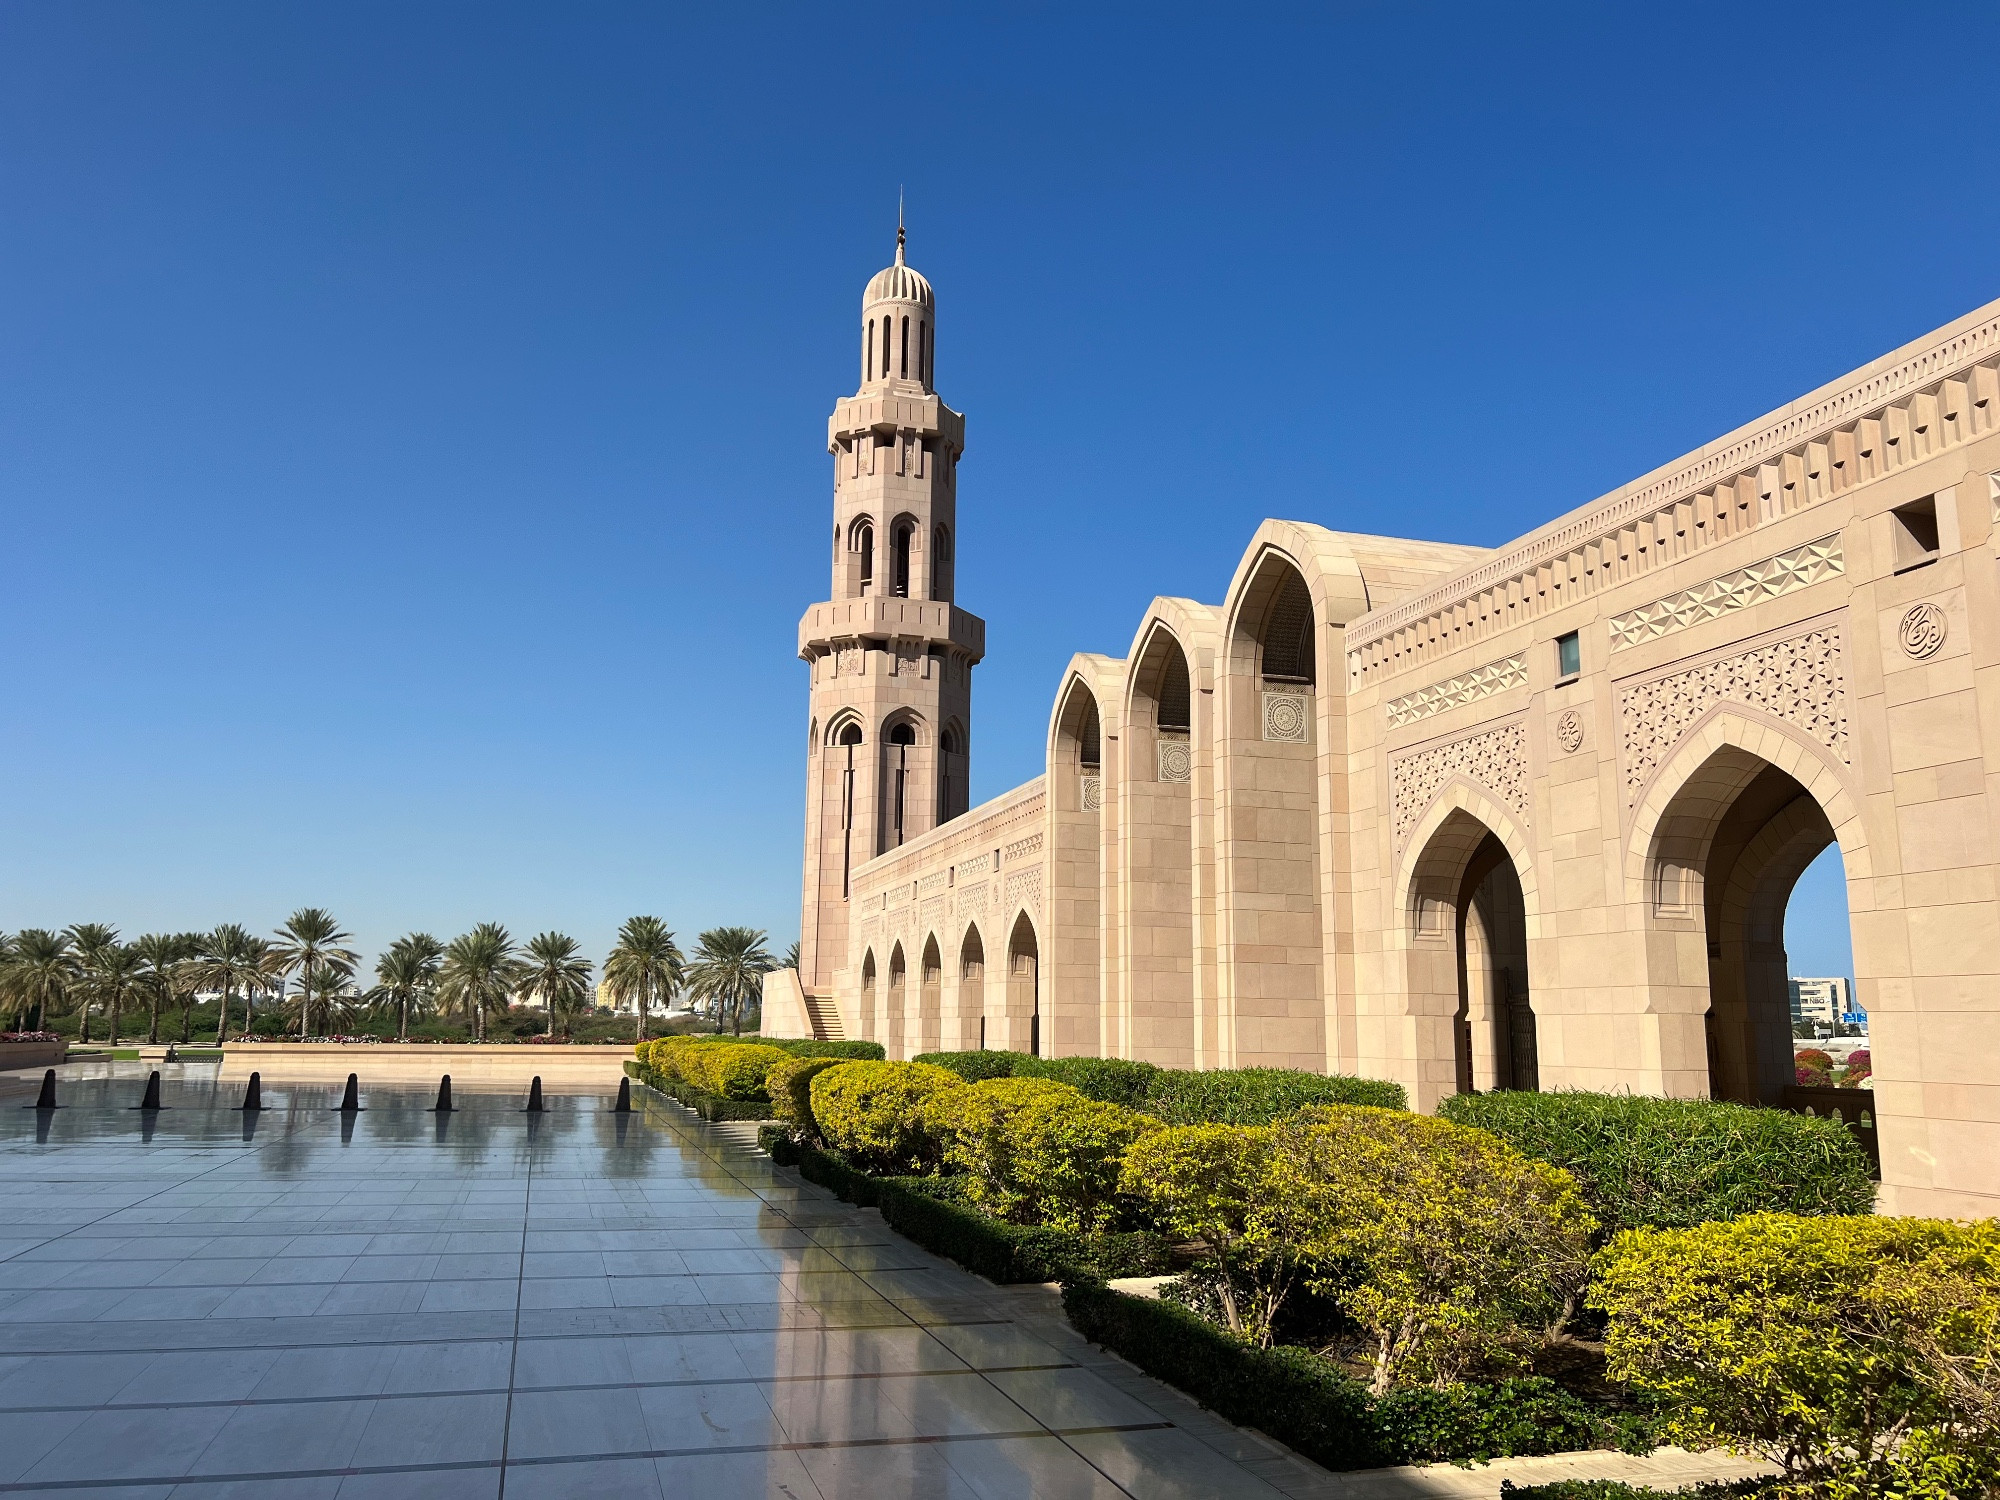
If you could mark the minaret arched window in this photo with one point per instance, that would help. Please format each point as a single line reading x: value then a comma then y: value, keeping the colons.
x: 903, y: 366
x: 923, y: 349
x: 899, y: 581
x: 849, y: 738
x: 901, y: 738
x: 868, y: 364
x: 864, y: 543
x: 941, y: 564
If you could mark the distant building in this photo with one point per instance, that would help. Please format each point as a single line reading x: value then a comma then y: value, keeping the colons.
x: 1825, y: 1002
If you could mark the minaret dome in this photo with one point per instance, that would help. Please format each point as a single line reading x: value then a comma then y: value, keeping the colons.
x: 898, y: 326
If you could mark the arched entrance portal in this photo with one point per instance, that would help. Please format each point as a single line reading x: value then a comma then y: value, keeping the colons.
x: 1024, y: 987
x: 1495, y: 1039
x: 1469, y: 960
x: 1729, y: 850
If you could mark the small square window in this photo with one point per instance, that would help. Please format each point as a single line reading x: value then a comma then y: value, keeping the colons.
x: 1914, y: 531
x: 1569, y: 656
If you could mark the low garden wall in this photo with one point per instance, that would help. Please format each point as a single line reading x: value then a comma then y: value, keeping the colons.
x: 473, y: 1068
x: 32, y: 1054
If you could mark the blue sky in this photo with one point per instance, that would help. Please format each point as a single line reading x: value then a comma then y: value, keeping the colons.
x: 412, y: 416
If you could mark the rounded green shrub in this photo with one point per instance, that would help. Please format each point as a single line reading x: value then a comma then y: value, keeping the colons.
x: 788, y: 1084
x: 874, y: 1111
x: 1860, y: 1354
x: 732, y: 1072
x: 1672, y: 1163
x: 967, y: 1125
x: 974, y: 1066
x: 1063, y: 1156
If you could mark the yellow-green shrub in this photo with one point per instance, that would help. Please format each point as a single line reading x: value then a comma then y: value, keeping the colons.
x: 734, y: 1071
x: 967, y: 1125
x: 874, y: 1111
x: 664, y: 1054
x: 1062, y: 1157
x: 1456, y: 1248
x: 1861, y: 1354
x: 788, y: 1085
x: 1215, y: 1183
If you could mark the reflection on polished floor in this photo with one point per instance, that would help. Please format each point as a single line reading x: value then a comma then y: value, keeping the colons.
x: 303, y: 1303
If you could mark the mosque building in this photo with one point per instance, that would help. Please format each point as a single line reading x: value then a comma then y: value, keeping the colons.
x: 1462, y: 817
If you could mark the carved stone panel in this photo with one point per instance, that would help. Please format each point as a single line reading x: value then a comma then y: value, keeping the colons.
x: 1093, y: 793
x: 1772, y: 578
x: 1497, y: 759
x: 1287, y: 718
x: 1922, y: 631
x: 1467, y: 687
x: 1176, y: 763
x: 1801, y: 680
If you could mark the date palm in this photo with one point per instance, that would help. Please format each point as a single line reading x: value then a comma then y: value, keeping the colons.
x: 644, y: 966
x: 92, y: 940
x: 328, y: 990
x: 312, y: 940
x: 791, y: 958
x: 406, y: 975
x: 728, y: 971
x: 479, y: 974
x: 165, y: 956
x: 114, y: 976
x: 40, y: 974
x: 230, y: 958
x: 558, y: 975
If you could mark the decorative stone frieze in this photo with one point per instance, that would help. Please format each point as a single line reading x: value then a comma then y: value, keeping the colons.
x: 1772, y: 578
x: 1024, y: 888
x: 1455, y: 692
x: 1022, y: 848
x: 1497, y: 759
x: 1801, y: 680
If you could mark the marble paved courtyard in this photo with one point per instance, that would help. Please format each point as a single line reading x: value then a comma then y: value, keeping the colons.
x: 395, y: 1303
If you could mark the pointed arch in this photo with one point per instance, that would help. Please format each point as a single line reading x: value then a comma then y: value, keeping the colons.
x: 895, y: 1033
x: 929, y: 1021
x: 1024, y: 992
x: 972, y: 988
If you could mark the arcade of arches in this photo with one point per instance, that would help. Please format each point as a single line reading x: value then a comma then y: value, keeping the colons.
x: 1526, y: 817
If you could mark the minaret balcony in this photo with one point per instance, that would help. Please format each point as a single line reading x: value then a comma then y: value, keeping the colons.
x: 889, y: 412
x: 889, y: 617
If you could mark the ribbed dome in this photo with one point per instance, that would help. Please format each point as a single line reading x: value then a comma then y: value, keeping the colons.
x: 898, y: 283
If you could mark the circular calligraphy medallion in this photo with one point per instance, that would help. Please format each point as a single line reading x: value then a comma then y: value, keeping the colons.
x: 1922, y: 631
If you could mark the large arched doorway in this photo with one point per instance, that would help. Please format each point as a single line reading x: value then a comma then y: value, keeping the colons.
x: 869, y: 1029
x: 1469, y: 952
x: 1074, y: 900
x: 930, y: 1001
x: 1155, y: 986
x: 1024, y: 988
x: 893, y: 1037
x: 972, y: 991
x: 1726, y: 856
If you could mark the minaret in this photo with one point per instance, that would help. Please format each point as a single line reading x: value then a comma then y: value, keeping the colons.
x: 891, y: 655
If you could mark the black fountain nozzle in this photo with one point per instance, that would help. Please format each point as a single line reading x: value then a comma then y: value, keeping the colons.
x: 46, y: 1099
x: 624, y: 1104
x: 152, y: 1099
x: 253, y: 1093
x: 350, y: 1100
x: 444, y: 1105
x: 535, y: 1095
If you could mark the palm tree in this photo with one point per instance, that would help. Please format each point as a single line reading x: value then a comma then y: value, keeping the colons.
x: 192, y: 944
x: 164, y: 955
x: 113, y: 975
x: 728, y: 970
x: 557, y: 974
x: 329, y: 989
x: 479, y: 973
x: 406, y: 975
x: 91, y: 939
x: 312, y: 940
x: 230, y: 957
x: 644, y: 966
x: 791, y: 958
x: 40, y: 974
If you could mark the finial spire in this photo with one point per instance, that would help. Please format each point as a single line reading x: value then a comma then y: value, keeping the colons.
x: 899, y: 225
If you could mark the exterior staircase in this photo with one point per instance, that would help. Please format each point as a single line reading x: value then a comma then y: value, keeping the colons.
x: 825, y: 1018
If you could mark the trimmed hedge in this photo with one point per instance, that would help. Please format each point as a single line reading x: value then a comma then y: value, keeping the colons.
x: 1109, y: 1080
x: 1673, y: 1163
x: 922, y: 1210
x: 708, y: 1106
x: 1310, y: 1404
x: 797, y: 1046
x: 974, y: 1067
x: 1257, y: 1096
x: 1180, y: 1096
x: 731, y: 1072
x: 1611, y: 1489
x: 789, y: 1085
